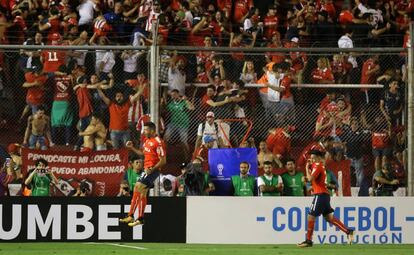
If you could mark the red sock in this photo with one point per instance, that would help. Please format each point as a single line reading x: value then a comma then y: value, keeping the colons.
x: 311, y: 225
x: 340, y: 225
x: 134, y: 203
x: 142, y: 205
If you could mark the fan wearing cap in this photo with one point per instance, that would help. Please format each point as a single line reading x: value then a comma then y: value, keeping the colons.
x: 209, y: 128
x: 53, y: 59
x: 321, y: 205
x: 296, y: 59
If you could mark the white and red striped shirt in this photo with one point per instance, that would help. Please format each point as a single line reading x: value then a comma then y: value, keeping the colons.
x: 135, y: 112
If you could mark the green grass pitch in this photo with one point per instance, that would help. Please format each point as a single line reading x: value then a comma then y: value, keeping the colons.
x: 191, y: 249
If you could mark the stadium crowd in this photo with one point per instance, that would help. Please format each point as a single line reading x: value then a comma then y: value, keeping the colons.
x: 103, y: 96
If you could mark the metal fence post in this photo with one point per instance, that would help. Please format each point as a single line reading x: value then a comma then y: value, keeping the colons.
x: 410, y: 110
x: 154, y: 87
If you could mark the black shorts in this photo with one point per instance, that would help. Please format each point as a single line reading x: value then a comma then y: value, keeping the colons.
x: 321, y: 204
x: 148, y: 180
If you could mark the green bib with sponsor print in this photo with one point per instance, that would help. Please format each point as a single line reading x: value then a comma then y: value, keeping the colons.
x: 243, y: 186
x: 293, y: 185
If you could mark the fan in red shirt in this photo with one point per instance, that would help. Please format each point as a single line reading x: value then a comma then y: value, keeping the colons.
x: 279, y: 142
x: 322, y: 74
x: 241, y: 9
x: 321, y: 204
x: 154, y: 158
x: 275, y: 57
x: 52, y: 59
x: 201, y: 30
x: 52, y: 24
x: 35, y: 83
x: 370, y: 71
x: 270, y: 22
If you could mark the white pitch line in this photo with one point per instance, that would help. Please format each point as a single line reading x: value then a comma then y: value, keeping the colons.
x: 121, y: 245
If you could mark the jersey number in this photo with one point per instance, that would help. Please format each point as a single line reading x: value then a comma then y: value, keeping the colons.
x: 52, y: 56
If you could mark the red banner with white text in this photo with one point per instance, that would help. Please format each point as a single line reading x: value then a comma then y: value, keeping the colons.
x: 100, y: 171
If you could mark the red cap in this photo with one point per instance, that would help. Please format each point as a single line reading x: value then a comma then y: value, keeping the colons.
x: 13, y: 148
x: 55, y: 37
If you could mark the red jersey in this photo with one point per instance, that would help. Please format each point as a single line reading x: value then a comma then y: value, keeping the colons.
x: 319, y: 182
x: 175, y: 5
x: 221, y: 4
x: 118, y: 116
x: 54, y: 28
x: 84, y: 101
x: 35, y: 95
x: 154, y: 149
x: 380, y: 140
x: 241, y: 8
x: 62, y: 88
x: 202, y: 78
x: 52, y: 60
x: 275, y: 57
x: 322, y: 74
x: 279, y: 142
x: 365, y: 77
x: 298, y: 58
x: 205, y: 57
x: 270, y: 24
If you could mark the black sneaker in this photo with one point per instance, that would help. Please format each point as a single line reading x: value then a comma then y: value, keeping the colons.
x: 350, y: 236
x: 306, y: 243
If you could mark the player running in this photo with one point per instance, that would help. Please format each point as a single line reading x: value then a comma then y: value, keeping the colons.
x: 154, y: 159
x: 316, y: 174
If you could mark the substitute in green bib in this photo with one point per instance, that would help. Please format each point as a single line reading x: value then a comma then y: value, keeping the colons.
x: 294, y: 183
x: 40, y: 179
x: 269, y: 184
x: 134, y: 172
x: 243, y: 184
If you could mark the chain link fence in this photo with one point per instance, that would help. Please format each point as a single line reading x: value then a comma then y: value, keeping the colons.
x: 352, y: 104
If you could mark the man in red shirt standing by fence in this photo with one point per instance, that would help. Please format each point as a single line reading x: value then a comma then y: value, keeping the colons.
x: 321, y: 204
x: 154, y: 158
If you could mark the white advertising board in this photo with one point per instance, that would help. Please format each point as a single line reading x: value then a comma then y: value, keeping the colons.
x: 283, y: 220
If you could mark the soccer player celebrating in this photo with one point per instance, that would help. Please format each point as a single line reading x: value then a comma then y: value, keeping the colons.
x: 154, y: 158
x: 316, y: 174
